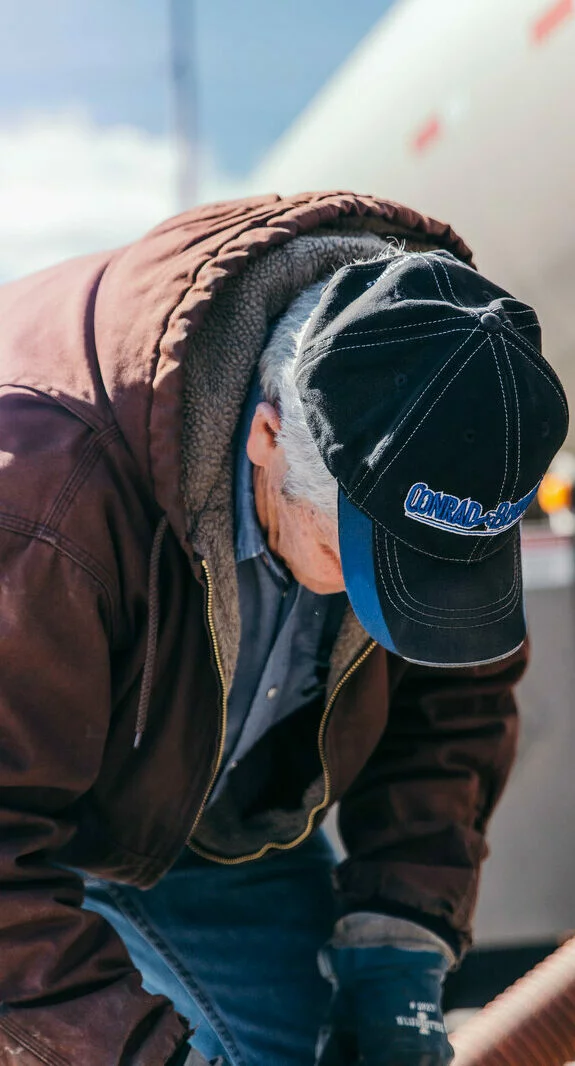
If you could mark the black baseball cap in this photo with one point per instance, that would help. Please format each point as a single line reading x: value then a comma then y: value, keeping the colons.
x: 425, y: 390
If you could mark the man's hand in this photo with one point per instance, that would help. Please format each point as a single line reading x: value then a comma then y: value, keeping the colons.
x: 386, y: 1007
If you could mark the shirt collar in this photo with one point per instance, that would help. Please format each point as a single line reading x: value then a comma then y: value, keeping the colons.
x: 249, y: 538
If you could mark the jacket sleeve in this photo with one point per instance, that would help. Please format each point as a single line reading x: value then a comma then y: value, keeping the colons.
x: 414, y: 820
x: 68, y: 989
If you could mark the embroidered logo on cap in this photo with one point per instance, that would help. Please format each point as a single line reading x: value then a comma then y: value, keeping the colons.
x: 465, y: 517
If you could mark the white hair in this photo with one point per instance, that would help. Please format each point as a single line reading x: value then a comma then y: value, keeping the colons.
x: 307, y: 476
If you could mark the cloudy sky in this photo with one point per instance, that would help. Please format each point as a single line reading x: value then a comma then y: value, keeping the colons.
x: 87, y: 154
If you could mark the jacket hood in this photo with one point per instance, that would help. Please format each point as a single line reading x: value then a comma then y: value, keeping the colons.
x: 132, y: 312
x: 154, y: 295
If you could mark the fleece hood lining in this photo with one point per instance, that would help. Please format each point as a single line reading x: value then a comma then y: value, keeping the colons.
x: 222, y: 357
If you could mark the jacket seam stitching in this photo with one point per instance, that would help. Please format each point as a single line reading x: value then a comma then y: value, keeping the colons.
x: 92, y: 453
x: 54, y: 396
x: 66, y: 547
x: 46, y: 1055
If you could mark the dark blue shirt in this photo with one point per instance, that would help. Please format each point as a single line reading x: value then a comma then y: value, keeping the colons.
x: 287, y: 632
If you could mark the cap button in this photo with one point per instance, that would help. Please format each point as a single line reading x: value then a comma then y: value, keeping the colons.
x: 490, y: 321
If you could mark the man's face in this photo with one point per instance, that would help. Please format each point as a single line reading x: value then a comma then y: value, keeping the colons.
x: 302, y: 537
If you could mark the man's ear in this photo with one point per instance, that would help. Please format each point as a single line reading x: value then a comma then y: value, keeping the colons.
x: 263, y: 431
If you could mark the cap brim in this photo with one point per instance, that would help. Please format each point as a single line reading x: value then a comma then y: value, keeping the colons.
x: 429, y: 610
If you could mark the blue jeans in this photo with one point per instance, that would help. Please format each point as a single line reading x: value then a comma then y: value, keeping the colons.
x: 235, y: 949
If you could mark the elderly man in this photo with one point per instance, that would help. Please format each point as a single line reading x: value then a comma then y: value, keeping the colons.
x: 260, y: 485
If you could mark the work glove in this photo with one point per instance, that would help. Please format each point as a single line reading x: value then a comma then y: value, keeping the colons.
x: 386, y: 1004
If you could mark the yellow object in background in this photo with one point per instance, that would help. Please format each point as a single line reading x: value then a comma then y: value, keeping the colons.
x: 555, y: 494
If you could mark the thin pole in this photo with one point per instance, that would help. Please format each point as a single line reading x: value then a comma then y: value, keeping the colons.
x: 184, y: 94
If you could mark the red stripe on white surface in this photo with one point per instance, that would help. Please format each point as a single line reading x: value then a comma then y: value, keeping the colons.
x: 427, y: 134
x: 550, y: 19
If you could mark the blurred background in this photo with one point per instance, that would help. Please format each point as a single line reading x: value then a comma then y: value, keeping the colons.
x: 114, y: 116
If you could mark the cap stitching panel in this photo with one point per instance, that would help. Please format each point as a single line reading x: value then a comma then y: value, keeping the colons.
x: 414, y: 404
x: 440, y: 624
x: 536, y: 363
x: 407, y: 414
x: 512, y: 493
x: 326, y: 346
x: 461, y: 611
x: 430, y: 266
x: 440, y: 263
x: 459, y: 614
x: 507, y: 431
x: 540, y: 369
x: 456, y: 610
x: 426, y: 415
x: 476, y: 551
x: 389, y: 329
x: 399, y: 340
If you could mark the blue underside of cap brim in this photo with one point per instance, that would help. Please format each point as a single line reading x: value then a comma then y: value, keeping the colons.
x: 356, y: 549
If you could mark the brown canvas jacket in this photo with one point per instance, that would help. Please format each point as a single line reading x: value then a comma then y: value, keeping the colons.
x: 107, y: 634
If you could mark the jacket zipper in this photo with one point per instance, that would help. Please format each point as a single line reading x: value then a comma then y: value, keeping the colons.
x: 320, y: 740
x: 224, y: 714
